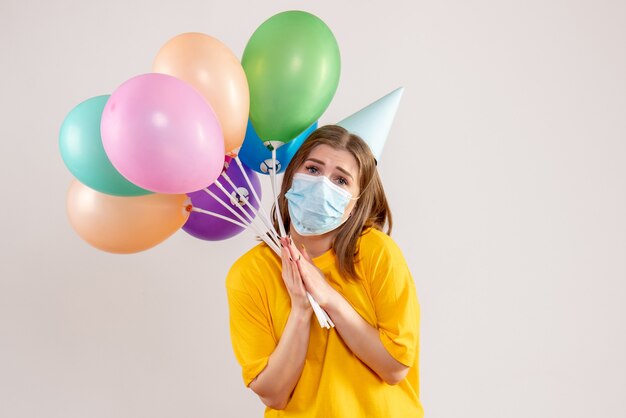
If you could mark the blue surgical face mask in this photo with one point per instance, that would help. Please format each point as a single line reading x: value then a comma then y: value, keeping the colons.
x: 316, y: 205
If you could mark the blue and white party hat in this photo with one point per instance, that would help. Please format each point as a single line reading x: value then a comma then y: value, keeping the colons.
x: 373, y: 122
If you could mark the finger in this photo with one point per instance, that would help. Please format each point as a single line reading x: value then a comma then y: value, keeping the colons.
x: 298, y: 280
x: 309, y: 272
x: 302, y: 270
x: 284, y: 254
x: 283, y: 259
x: 294, y: 260
x: 284, y: 242
x: 293, y: 250
x: 306, y: 255
x: 287, y: 266
x: 293, y: 272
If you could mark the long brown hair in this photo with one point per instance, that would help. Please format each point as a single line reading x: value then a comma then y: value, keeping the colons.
x: 370, y: 210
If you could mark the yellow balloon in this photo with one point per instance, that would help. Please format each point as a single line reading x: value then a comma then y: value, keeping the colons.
x: 210, y: 66
x: 124, y: 224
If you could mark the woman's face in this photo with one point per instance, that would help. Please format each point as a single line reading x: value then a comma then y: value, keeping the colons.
x: 339, y: 166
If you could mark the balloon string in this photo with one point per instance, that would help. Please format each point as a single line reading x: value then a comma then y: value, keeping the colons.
x: 217, y: 215
x: 233, y: 200
x: 221, y: 202
x: 274, y: 187
x: 254, y: 193
x: 262, y: 234
x: 251, y: 219
x: 254, y: 210
x: 322, y: 316
x: 269, y: 243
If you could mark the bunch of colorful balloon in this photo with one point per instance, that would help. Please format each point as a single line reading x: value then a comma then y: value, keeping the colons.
x: 157, y: 154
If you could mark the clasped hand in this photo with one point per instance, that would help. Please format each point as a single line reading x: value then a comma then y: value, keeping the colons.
x: 301, y: 275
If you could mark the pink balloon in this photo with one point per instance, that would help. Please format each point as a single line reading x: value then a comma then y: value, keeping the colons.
x: 162, y: 135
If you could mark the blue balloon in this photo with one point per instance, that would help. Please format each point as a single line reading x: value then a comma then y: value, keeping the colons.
x: 258, y: 156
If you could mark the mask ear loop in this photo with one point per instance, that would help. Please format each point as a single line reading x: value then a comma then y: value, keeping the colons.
x: 365, y: 188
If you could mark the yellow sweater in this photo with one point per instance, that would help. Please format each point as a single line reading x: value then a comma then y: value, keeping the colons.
x: 334, y: 382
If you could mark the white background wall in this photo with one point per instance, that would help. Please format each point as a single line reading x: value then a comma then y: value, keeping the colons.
x: 505, y: 169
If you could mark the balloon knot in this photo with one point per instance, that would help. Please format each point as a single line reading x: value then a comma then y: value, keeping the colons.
x: 188, y: 208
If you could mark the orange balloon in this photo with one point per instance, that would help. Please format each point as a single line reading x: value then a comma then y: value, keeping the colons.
x: 209, y: 66
x: 123, y: 225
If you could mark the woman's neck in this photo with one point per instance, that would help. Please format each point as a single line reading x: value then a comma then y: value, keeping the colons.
x: 315, y: 245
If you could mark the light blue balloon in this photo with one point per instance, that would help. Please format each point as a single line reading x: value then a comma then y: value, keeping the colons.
x: 81, y: 147
x: 258, y: 156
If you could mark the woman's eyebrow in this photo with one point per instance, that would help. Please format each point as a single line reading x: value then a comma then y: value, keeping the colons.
x: 345, y: 172
x: 315, y: 160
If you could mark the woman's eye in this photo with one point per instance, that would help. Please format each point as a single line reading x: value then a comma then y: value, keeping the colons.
x: 342, y: 181
x: 312, y: 169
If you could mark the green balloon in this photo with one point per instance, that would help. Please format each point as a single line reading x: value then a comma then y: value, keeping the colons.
x: 292, y: 63
x: 82, y: 151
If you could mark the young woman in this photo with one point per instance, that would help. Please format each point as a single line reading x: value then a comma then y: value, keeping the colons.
x: 334, y: 207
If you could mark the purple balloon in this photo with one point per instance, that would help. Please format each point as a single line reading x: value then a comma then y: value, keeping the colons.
x: 210, y: 228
